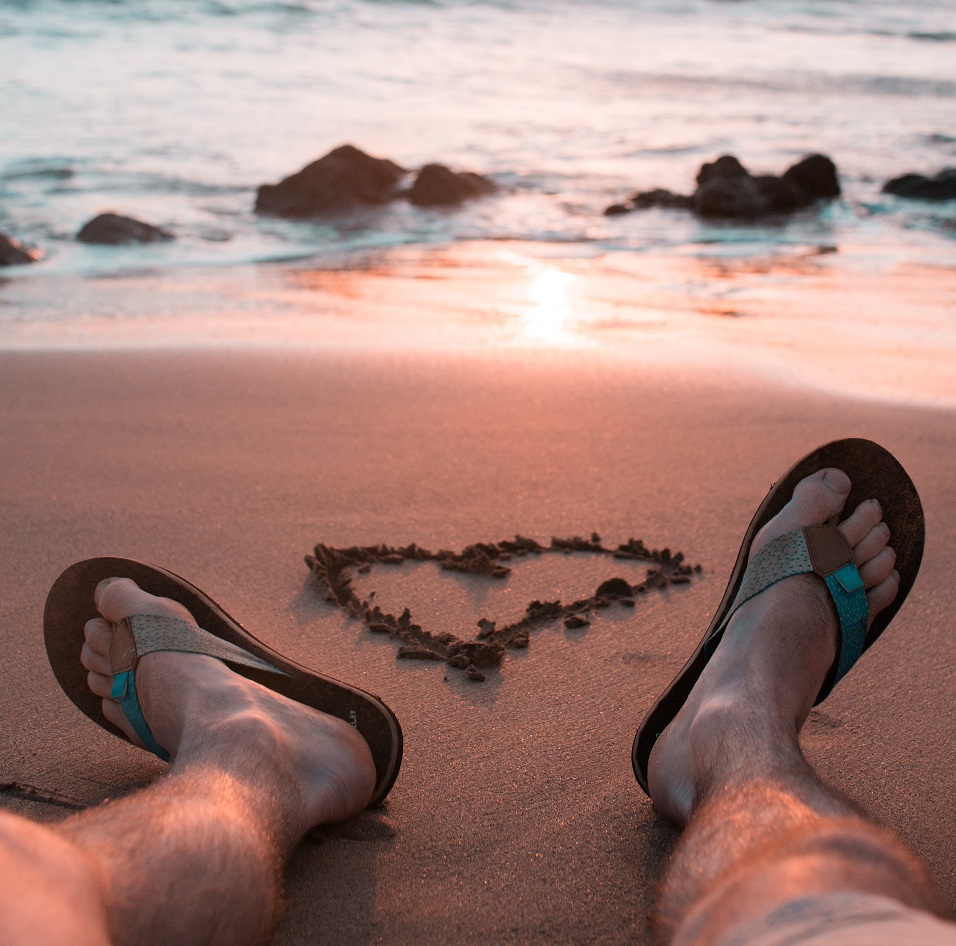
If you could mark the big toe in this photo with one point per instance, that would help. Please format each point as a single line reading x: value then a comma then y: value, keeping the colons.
x: 816, y: 499
x: 118, y: 598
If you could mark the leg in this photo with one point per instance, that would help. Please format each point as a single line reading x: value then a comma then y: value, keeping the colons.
x: 196, y: 857
x: 763, y: 830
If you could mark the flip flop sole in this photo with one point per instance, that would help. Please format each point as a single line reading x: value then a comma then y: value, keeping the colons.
x: 69, y: 606
x: 875, y: 474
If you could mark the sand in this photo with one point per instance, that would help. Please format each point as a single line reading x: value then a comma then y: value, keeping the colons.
x: 515, y: 816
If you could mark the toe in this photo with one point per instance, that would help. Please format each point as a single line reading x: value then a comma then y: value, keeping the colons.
x: 872, y: 544
x: 100, y: 684
x: 816, y: 499
x: 819, y: 497
x: 882, y: 595
x: 94, y: 661
x: 117, y: 598
x: 861, y: 521
x: 878, y: 569
x: 99, y: 636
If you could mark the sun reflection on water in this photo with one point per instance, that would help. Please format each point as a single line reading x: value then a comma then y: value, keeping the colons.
x: 550, y: 319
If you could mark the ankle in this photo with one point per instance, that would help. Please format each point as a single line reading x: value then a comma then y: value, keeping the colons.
x: 735, y: 737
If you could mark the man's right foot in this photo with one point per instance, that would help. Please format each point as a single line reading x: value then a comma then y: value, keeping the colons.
x: 760, y: 685
x: 203, y: 713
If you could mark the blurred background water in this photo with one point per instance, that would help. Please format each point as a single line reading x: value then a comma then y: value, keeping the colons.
x: 176, y: 110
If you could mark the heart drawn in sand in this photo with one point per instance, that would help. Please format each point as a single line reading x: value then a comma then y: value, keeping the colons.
x: 332, y: 570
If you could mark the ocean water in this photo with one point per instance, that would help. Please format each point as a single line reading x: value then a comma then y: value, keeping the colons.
x: 176, y: 110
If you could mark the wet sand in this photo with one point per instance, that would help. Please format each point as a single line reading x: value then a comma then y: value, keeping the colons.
x: 515, y: 816
x: 863, y: 321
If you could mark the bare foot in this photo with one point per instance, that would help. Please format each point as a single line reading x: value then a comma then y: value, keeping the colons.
x: 202, y: 713
x: 760, y: 685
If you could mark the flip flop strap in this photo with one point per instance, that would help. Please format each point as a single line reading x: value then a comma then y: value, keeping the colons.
x: 815, y: 550
x: 149, y: 634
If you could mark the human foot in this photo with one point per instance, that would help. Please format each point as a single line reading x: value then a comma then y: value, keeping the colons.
x: 201, y: 712
x: 756, y: 692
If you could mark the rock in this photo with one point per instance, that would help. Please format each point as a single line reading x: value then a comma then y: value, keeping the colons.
x: 920, y: 187
x: 725, y: 188
x: 343, y: 179
x: 815, y: 176
x: 645, y: 200
x: 726, y: 167
x: 14, y: 253
x: 111, y: 229
x: 724, y: 192
x: 439, y: 186
x: 779, y: 194
x: 616, y: 210
x: 661, y: 198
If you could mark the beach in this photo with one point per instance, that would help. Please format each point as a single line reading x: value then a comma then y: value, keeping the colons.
x: 515, y: 816
x: 669, y: 261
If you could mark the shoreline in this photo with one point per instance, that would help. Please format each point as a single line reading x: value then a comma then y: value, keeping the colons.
x: 832, y: 321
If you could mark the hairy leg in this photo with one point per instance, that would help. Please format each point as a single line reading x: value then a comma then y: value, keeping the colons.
x: 763, y: 830
x: 196, y: 857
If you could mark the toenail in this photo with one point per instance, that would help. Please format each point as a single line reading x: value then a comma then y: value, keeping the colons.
x: 876, y: 503
x: 838, y: 481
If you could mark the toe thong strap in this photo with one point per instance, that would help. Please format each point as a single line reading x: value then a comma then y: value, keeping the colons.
x: 141, y: 634
x: 824, y: 551
x: 124, y: 692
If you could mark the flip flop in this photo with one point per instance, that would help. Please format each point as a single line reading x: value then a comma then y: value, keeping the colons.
x: 875, y: 474
x: 69, y: 606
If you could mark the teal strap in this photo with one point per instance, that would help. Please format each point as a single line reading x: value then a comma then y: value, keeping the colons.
x: 849, y: 596
x: 788, y: 555
x: 124, y: 692
x: 152, y: 633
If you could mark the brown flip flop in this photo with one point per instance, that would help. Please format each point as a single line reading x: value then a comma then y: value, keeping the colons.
x: 875, y: 474
x: 69, y: 606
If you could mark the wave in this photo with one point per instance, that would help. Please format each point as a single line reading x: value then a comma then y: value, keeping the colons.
x: 784, y: 82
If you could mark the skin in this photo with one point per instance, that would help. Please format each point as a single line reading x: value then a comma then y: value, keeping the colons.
x: 762, y: 830
x: 251, y: 773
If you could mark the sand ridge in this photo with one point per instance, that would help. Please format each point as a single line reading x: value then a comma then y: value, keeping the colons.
x: 331, y: 568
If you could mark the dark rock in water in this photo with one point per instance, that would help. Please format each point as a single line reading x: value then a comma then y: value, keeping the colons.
x: 815, y: 176
x: 726, y: 189
x: 920, y: 187
x: 645, y: 200
x: 779, y: 195
x: 726, y: 167
x: 114, y: 230
x: 617, y: 210
x: 14, y: 253
x: 343, y: 179
x: 661, y: 198
x: 439, y: 186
